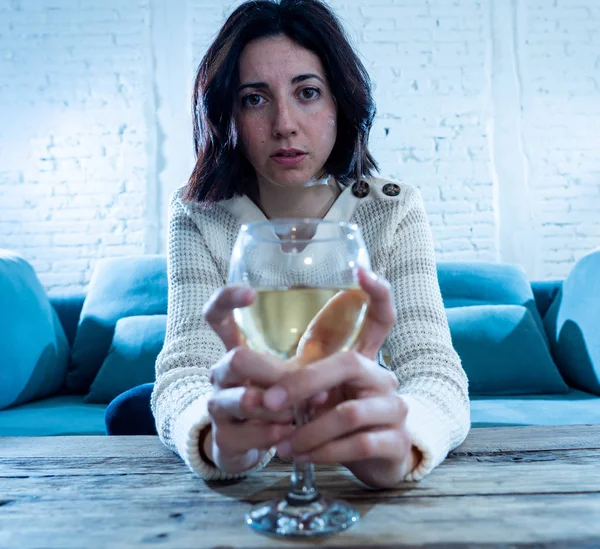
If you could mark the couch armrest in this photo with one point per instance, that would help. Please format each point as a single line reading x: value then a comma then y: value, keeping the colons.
x: 572, y: 323
x: 68, y: 308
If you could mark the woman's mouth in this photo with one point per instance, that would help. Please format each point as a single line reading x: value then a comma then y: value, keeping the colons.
x: 288, y: 157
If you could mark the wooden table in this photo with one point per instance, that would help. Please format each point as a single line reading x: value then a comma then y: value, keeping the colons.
x: 510, y: 487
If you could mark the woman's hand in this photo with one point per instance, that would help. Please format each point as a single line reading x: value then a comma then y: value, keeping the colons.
x: 241, y: 429
x: 359, y: 420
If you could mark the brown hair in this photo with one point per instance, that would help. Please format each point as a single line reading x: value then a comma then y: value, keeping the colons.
x: 222, y: 170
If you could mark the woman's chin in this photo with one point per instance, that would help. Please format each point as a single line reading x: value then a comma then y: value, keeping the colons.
x: 290, y: 180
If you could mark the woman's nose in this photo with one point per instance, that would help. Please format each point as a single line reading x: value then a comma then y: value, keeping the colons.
x: 284, y: 123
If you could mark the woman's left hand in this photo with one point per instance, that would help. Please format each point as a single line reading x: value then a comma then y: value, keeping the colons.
x: 358, y: 418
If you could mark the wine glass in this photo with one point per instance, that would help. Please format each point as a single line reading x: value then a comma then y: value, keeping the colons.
x: 308, y: 305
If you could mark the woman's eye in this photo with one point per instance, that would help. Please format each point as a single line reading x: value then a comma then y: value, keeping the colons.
x: 252, y: 100
x: 309, y: 93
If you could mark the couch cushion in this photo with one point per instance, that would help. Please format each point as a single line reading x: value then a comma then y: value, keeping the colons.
x: 482, y: 283
x: 503, y: 351
x: 573, y: 325
x: 34, y: 350
x: 53, y: 416
x: 120, y: 287
x: 494, y: 321
x: 130, y: 361
x: 575, y: 408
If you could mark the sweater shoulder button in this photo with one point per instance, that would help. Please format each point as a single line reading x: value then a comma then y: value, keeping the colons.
x: 360, y: 189
x: 391, y: 189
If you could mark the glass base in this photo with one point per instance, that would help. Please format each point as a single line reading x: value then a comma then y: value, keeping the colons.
x: 322, y: 517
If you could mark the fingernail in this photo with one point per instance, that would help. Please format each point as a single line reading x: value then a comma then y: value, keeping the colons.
x: 284, y: 448
x: 374, y: 276
x: 275, y: 398
x: 321, y: 397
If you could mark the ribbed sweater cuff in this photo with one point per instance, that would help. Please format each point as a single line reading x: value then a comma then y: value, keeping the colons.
x: 429, y: 432
x: 188, y: 427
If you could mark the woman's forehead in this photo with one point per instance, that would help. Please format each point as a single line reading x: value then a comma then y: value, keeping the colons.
x: 277, y: 59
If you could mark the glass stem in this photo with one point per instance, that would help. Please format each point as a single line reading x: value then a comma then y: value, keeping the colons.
x: 302, y: 490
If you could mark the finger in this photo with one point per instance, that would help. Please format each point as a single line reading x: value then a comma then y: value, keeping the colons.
x: 375, y: 444
x: 319, y: 399
x: 331, y: 329
x: 380, y: 315
x: 346, y: 418
x: 243, y: 365
x: 218, y: 312
x: 243, y: 404
x: 234, y: 439
x: 350, y: 367
x: 318, y: 404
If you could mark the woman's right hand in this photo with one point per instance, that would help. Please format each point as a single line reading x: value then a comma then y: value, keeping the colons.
x: 242, y: 431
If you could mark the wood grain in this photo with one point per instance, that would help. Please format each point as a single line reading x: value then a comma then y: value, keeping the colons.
x: 570, y: 470
x: 189, y: 521
x: 84, y: 447
x: 502, y: 439
x: 514, y: 487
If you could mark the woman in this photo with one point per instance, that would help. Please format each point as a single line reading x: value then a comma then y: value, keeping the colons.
x: 282, y: 113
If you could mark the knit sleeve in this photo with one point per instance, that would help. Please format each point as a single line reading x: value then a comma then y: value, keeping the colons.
x: 432, y: 381
x: 182, y: 388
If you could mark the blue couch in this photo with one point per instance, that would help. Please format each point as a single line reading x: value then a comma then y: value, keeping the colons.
x: 531, y: 350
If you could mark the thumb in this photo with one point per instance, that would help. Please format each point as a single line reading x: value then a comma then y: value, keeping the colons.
x: 380, y: 315
x: 333, y: 326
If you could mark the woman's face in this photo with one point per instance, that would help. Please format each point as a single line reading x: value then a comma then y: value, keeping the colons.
x: 285, y: 112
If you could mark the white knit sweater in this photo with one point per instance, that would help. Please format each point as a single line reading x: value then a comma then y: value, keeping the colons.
x: 398, y: 238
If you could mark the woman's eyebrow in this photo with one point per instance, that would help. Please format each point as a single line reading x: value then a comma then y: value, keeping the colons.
x: 302, y: 77
x: 258, y: 85
x: 295, y: 80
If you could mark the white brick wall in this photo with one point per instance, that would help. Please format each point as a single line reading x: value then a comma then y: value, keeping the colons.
x: 491, y: 107
x: 559, y: 45
x: 75, y: 133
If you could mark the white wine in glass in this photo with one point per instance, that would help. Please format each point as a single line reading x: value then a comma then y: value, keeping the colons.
x: 279, y: 318
x: 309, y: 305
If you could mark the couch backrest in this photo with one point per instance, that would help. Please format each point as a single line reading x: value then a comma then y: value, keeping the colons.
x: 545, y: 292
x: 69, y: 305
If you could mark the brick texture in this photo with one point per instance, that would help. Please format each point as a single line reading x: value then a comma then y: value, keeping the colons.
x: 491, y: 110
x: 73, y: 157
x: 559, y: 47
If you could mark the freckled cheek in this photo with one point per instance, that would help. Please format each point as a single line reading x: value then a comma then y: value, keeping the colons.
x: 248, y: 133
x: 253, y: 139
